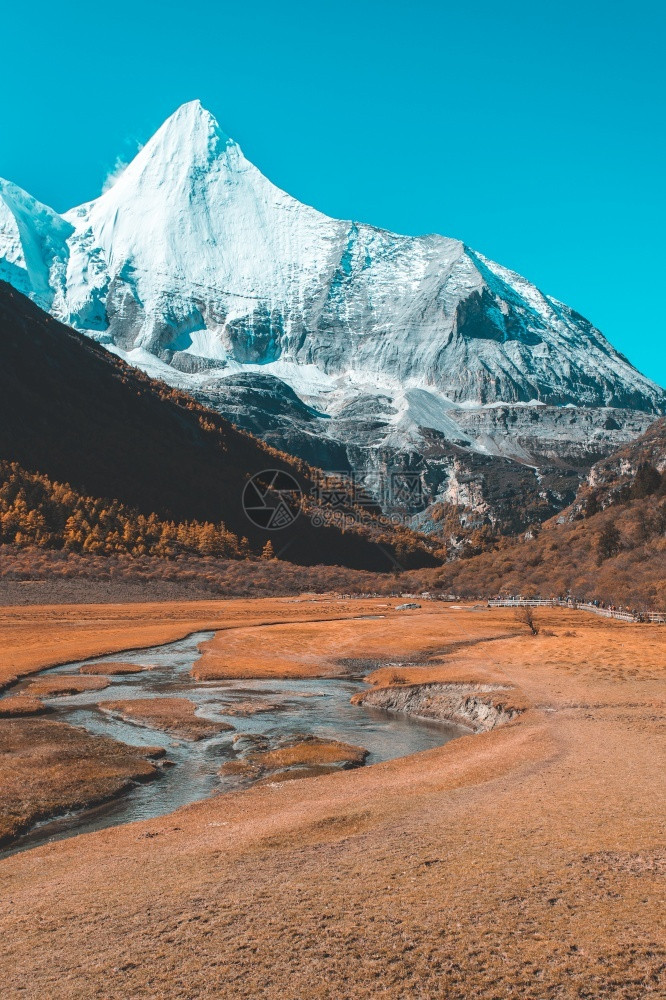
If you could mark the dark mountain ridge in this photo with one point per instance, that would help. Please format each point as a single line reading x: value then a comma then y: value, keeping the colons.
x: 72, y: 411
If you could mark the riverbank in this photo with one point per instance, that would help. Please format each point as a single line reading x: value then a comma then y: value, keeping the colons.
x: 521, y: 861
x: 45, y: 635
x: 49, y: 768
x: 209, y: 733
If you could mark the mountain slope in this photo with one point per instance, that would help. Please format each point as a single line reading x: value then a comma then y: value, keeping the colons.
x: 70, y: 410
x: 349, y: 346
x: 608, y: 545
x: 611, y: 475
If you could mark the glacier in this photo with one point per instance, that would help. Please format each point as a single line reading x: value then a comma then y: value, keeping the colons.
x: 196, y: 268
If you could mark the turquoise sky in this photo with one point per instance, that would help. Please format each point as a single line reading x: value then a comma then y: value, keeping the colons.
x: 533, y: 132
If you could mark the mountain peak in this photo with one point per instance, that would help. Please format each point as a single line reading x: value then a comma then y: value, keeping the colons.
x: 191, y: 132
x: 193, y: 251
x: 186, y: 148
x: 191, y: 116
x: 32, y: 244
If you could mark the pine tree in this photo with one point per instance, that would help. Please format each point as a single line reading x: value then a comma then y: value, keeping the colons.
x: 592, y: 505
x: 608, y: 542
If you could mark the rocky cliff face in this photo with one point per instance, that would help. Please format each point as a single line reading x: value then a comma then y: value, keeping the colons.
x: 619, y: 469
x: 353, y: 347
x: 512, y: 465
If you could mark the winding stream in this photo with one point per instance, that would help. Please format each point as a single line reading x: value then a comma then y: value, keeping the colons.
x: 320, y: 707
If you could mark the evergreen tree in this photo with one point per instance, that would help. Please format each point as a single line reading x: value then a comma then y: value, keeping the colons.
x: 268, y: 552
x: 646, y: 482
x: 608, y: 542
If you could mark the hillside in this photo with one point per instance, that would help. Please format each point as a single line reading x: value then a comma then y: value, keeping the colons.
x: 617, y: 472
x: 610, y: 544
x: 76, y: 414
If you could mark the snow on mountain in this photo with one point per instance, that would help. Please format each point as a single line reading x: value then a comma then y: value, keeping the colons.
x: 194, y: 267
x: 33, y: 247
x: 193, y: 253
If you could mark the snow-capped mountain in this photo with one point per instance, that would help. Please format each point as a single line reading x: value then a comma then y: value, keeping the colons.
x: 33, y: 247
x: 195, y: 267
x: 194, y: 251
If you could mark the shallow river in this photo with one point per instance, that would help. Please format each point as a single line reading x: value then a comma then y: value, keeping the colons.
x: 318, y: 707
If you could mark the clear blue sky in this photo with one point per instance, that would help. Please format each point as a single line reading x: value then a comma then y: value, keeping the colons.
x: 533, y: 132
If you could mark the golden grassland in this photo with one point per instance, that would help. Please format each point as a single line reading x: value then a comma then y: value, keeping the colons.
x: 64, y: 684
x: 49, y: 767
x: 526, y: 861
x: 334, y: 648
x: 32, y: 638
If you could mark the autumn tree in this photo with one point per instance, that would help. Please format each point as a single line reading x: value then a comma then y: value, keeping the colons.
x: 608, y: 543
x: 646, y: 482
x: 35, y: 511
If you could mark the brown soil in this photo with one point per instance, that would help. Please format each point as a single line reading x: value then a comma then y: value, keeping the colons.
x: 111, y: 669
x: 21, y: 704
x: 50, y: 767
x: 523, y: 862
x: 64, y: 684
x: 250, y: 707
x: 173, y: 715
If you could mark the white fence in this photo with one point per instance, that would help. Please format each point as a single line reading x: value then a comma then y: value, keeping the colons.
x: 518, y: 602
x: 538, y: 602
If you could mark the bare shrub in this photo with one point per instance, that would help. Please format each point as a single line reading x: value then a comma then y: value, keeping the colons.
x: 397, y: 679
x: 525, y: 616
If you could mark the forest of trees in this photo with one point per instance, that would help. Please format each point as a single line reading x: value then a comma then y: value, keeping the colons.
x: 34, y: 511
x: 614, y: 551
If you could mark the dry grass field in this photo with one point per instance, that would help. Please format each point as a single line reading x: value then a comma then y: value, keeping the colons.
x: 49, y: 767
x: 334, y: 648
x: 112, y: 669
x: 63, y: 685
x: 526, y: 861
x: 32, y: 638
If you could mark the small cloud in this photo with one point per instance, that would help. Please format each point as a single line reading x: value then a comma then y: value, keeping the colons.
x: 118, y: 169
x: 116, y: 172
